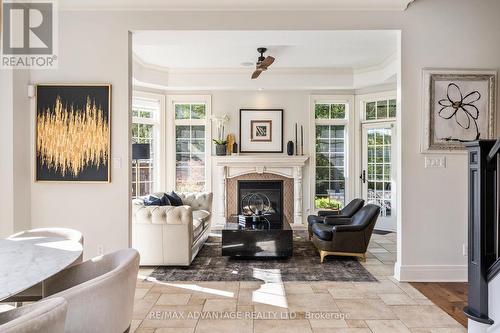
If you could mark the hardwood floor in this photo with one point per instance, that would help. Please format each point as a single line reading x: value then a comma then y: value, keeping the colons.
x: 449, y: 296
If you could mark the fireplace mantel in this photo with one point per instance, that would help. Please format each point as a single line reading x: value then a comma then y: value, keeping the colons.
x: 282, y: 165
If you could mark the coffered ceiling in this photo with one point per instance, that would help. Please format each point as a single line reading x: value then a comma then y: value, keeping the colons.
x: 238, y: 49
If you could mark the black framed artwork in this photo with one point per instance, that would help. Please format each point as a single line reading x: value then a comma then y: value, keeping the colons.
x: 73, y: 133
x: 261, y: 130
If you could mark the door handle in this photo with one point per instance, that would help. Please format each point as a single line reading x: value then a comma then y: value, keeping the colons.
x: 363, y: 176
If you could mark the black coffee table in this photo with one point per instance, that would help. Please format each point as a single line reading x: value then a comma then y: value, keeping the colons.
x: 261, y: 239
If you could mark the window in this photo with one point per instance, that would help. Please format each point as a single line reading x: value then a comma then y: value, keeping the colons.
x: 379, y: 173
x: 381, y: 109
x: 191, y: 115
x: 145, y: 129
x: 330, y: 126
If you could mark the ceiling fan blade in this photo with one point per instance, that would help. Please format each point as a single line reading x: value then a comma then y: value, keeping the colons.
x: 256, y: 73
x: 267, y: 62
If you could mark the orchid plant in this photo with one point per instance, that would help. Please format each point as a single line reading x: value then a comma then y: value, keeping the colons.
x: 220, y: 122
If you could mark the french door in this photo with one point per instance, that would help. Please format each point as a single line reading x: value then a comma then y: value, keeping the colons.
x: 378, y: 171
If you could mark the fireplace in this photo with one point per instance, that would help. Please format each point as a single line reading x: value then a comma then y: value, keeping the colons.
x: 272, y: 189
x: 230, y: 170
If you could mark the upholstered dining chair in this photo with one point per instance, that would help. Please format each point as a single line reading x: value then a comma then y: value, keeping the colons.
x: 35, y: 293
x: 348, y: 239
x: 47, y: 316
x: 335, y: 217
x: 100, y: 292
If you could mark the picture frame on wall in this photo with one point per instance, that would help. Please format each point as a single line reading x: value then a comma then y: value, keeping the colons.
x: 458, y: 107
x: 261, y: 130
x: 73, y: 133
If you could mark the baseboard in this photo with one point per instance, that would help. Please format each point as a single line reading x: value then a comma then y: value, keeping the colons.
x: 430, y: 273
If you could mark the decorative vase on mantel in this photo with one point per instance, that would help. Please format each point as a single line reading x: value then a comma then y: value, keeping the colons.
x: 220, y: 150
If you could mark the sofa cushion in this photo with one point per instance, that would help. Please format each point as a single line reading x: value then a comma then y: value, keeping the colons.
x: 201, y: 215
x: 322, y: 231
x: 197, y: 228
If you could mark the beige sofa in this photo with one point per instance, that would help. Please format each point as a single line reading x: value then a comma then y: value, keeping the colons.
x: 168, y: 235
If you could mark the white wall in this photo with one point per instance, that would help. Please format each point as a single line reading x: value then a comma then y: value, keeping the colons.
x: 15, y: 177
x: 435, y: 33
x: 7, y: 164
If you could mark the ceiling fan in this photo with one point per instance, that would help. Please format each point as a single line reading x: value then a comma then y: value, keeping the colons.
x: 262, y: 62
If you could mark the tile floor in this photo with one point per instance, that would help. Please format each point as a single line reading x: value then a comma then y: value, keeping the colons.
x: 316, y: 307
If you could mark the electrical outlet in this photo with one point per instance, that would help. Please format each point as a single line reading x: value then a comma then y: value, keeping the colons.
x: 465, y: 250
x: 100, y: 250
x: 117, y: 163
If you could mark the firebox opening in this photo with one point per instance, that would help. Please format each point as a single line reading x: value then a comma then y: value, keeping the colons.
x: 272, y: 189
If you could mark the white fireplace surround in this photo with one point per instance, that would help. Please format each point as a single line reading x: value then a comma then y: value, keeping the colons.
x: 281, y: 165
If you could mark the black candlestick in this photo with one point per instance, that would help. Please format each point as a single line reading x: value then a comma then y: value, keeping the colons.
x: 296, y: 142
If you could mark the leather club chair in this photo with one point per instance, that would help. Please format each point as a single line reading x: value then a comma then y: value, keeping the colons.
x: 331, y: 216
x: 348, y: 239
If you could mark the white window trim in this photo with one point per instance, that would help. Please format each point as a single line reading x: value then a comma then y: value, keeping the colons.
x: 349, y: 140
x: 361, y: 101
x: 159, y: 175
x: 170, y: 130
x: 360, y: 120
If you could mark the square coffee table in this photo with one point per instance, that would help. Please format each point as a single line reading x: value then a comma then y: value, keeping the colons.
x: 261, y: 239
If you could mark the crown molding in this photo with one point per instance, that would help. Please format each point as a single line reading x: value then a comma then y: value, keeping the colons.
x: 225, y: 5
x: 282, y: 70
x: 244, y: 70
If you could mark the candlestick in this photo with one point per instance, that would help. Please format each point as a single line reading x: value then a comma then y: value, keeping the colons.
x: 296, y: 141
x: 302, y: 139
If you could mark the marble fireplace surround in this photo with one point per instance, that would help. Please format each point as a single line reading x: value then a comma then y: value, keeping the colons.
x: 252, y: 167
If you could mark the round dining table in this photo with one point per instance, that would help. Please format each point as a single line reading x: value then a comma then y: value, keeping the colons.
x: 27, y: 261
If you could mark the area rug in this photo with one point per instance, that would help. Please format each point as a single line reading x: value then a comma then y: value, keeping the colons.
x: 304, y: 265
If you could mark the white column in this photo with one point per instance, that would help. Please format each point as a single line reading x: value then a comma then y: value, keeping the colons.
x: 297, y: 195
x: 221, y: 197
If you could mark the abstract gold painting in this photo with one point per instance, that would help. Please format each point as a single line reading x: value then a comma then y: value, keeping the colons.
x: 73, y: 133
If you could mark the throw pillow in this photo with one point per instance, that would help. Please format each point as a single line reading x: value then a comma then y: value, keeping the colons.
x: 152, y: 201
x: 165, y: 201
x: 175, y: 200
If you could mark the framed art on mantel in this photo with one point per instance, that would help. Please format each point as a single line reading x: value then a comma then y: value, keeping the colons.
x: 261, y: 130
x: 458, y: 107
x: 73, y: 133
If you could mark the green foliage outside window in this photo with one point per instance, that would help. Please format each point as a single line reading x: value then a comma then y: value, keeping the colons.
x: 326, y: 203
x: 329, y: 111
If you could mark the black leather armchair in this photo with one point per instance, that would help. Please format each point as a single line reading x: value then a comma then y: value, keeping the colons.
x: 351, y: 238
x: 335, y: 217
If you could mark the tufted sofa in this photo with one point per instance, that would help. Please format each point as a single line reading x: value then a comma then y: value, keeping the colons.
x: 168, y: 235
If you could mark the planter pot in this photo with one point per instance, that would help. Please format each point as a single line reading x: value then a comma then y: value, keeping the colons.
x: 220, y: 150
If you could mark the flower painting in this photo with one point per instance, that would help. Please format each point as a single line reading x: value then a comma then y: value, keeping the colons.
x: 459, y: 108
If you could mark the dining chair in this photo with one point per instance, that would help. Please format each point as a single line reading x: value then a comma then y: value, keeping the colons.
x: 35, y: 293
x: 46, y: 316
x: 100, y: 292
